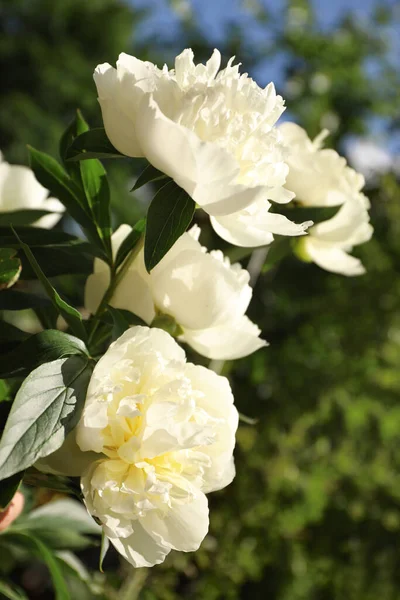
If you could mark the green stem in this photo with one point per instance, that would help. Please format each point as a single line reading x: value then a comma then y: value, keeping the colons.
x: 115, y: 279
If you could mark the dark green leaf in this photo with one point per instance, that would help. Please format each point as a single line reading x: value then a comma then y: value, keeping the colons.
x: 10, y: 267
x: 72, y: 260
x: 37, y: 237
x: 22, y: 217
x: 47, y: 406
x: 92, y: 144
x: 16, y: 300
x: 97, y: 191
x: 8, y: 488
x: 70, y: 314
x: 130, y: 242
x: 150, y: 173
x: 91, y: 177
x: 168, y: 217
x: 40, y: 348
x: 105, y: 544
x: 121, y: 320
x: 52, y: 176
x: 77, y: 126
x: 10, y: 333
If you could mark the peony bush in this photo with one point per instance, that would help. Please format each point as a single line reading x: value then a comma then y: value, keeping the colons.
x: 103, y: 399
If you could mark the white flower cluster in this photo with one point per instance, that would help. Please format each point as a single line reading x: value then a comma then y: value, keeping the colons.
x: 159, y: 433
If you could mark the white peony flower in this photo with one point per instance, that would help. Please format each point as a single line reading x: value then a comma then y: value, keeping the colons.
x: 211, y: 131
x: 318, y: 176
x: 329, y: 242
x: 205, y: 294
x: 20, y: 190
x: 165, y: 431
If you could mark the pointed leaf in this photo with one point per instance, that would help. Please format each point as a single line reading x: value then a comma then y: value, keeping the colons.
x: 105, y: 544
x: 22, y: 217
x: 77, y: 126
x: 168, y: 217
x: 97, y: 191
x: 70, y: 314
x: 150, y: 173
x: 53, y: 177
x: 46, y: 408
x: 92, y: 144
x: 40, y: 348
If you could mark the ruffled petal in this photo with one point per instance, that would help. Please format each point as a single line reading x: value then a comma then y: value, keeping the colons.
x: 140, y: 549
x: 183, y: 527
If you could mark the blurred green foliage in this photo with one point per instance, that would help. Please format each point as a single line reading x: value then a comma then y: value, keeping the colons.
x: 314, y: 511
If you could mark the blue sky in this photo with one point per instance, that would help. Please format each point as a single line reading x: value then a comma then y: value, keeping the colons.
x: 214, y: 16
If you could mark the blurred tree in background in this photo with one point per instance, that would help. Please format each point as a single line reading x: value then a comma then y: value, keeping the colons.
x: 314, y: 512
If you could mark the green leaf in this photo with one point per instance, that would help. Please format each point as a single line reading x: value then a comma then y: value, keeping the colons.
x: 70, y: 314
x: 105, y: 544
x: 8, y: 488
x: 63, y: 513
x: 97, y: 191
x: 9, y: 332
x: 56, y: 483
x: 12, y: 592
x: 16, y: 300
x: 168, y: 217
x: 92, y: 144
x: 37, y: 237
x: 22, y: 217
x: 47, y: 406
x: 40, y: 348
x: 122, y: 320
x: 130, y: 242
x: 49, y: 559
x: 10, y: 267
x: 72, y: 260
x: 77, y: 126
x: 53, y: 177
x: 150, y: 173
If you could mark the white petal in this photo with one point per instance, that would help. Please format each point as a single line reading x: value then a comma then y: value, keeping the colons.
x: 140, y: 549
x: 332, y: 258
x: 234, y: 340
x: 255, y: 226
x: 183, y: 527
x: 349, y: 227
x: 119, y: 125
x: 199, y: 291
